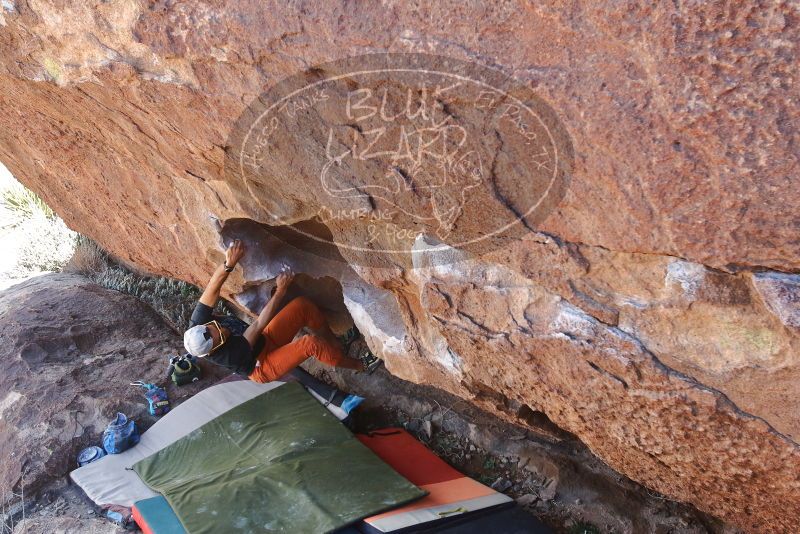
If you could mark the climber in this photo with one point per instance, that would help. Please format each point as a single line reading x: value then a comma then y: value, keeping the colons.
x: 264, y: 350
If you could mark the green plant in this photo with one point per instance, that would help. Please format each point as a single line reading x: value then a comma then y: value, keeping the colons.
x: 20, y: 204
x: 33, y: 236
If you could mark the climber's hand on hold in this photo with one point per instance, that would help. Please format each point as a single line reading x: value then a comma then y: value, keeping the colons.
x: 284, y: 280
x: 255, y: 329
x: 234, y: 253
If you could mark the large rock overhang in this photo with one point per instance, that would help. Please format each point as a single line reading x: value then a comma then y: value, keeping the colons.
x: 652, y: 311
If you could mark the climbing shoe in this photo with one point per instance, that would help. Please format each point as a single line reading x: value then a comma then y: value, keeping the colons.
x: 369, y: 360
x: 356, y: 347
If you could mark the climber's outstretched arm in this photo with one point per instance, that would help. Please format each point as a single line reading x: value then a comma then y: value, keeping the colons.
x: 232, y: 256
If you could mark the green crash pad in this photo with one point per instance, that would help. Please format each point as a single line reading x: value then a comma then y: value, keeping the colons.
x: 279, y: 462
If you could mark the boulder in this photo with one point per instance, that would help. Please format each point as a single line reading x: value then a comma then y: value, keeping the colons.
x: 646, y: 302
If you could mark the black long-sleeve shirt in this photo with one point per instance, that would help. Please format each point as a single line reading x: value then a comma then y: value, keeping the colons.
x: 236, y: 353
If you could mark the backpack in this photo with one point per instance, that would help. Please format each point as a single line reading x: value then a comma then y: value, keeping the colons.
x: 184, y: 370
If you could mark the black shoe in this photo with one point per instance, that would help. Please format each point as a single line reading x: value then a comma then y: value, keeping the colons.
x: 356, y: 347
x: 369, y: 360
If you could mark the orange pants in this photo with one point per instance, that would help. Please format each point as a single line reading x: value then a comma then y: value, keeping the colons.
x: 280, y: 355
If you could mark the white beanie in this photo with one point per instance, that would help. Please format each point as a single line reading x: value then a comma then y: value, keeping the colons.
x: 197, y: 341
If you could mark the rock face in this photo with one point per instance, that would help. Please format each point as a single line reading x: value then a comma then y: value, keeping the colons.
x: 652, y: 311
x: 70, y: 348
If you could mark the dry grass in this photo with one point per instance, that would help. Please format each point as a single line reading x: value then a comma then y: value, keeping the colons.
x: 173, y: 299
x: 88, y: 258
